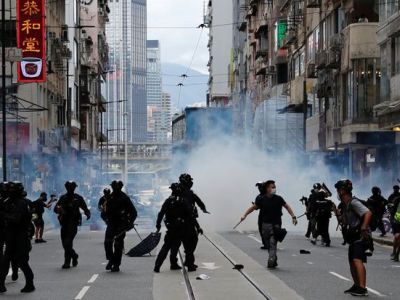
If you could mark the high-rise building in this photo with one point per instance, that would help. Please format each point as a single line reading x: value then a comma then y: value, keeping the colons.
x: 154, y: 90
x: 166, y: 117
x: 126, y: 81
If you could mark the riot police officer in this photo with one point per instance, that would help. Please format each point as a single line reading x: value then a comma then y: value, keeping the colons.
x: 321, y: 208
x: 192, y: 229
x: 69, y: 215
x: 17, y: 219
x: 177, y: 215
x: 120, y: 215
x: 377, y: 205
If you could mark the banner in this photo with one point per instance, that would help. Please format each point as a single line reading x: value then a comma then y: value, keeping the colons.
x: 31, y: 38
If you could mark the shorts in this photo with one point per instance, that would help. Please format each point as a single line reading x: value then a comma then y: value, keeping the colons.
x: 357, y: 251
x: 39, y: 222
x: 396, y: 227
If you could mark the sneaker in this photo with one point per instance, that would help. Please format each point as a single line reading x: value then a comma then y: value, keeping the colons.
x: 29, y: 288
x: 175, y: 267
x: 359, y: 291
x: 65, y: 266
x: 272, y: 264
x: 192, y: 269
x: 42, y: 241
x: 264, y: 248
x: 115, y: 269
x: 109, y: 266
x: 350, y: 289
x: 396, y: 258
x: 37, y: 241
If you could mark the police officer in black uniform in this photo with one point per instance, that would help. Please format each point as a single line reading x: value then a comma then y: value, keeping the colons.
x: 69, y: 215
x: 17, y: 218
x: 3, y: 197
x: 120, y: 215
x: 102, y: 205
x: 377, y: 205
x: 177, y: 214
x: 193, y: 229
x: 322, y: 209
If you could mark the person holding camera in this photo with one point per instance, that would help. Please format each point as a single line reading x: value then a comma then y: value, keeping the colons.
x: 120, y: 215
x: 271, y: 215
x: 355, y: 220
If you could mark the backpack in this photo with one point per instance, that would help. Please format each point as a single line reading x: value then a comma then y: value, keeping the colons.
x: 397, y: 214
x: 373, y: 224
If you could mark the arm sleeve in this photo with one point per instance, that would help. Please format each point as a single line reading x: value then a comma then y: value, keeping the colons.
x: 161, y: 213
x: 283, y: 202
x: 83, y: 206
x: 258, y: 201
x: 359, y: 208
x: 199, y: 202
x: 101, y: 202
x: 59, y: 203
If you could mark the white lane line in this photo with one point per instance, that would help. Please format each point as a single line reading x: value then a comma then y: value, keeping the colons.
x: 395, y: 266
x: 310, y: 262
x: 254, y: 238
x: 82, y: 292
x: 93, y: 278
x: 104, y: 263
x: 294, y: 255
x: 368, y: 288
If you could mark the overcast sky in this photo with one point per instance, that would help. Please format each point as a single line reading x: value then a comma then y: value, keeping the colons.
x: 178, y: 44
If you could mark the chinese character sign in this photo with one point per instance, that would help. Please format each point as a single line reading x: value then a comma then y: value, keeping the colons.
x: 31, y: 39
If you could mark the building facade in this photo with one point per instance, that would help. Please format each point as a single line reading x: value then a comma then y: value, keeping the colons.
x: 166, y: 118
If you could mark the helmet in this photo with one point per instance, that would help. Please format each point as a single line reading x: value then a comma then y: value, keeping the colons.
x: 106, y: 191
x: 376, y: 190
x: 344, y: 184
x: 43, y: 194
x: 175, y: 188
x: 186, y: 180
x: 317, y: 186
x: 117, y: 185
x: 70, y: 183
x: 396, y: 187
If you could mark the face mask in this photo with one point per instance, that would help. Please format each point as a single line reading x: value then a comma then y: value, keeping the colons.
x: 273, y: 192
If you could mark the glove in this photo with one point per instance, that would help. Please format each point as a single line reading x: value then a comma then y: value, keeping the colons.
x: 200, y: 231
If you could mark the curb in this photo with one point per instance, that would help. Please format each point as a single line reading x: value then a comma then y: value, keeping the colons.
x: 383, y: 241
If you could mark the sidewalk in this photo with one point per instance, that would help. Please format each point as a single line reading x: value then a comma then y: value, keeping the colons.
x: 386, y: 240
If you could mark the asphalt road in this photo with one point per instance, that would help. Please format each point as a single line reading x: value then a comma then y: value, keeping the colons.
x: 323, y: 274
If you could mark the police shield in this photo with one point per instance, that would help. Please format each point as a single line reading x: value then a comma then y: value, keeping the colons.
x: 146, y: 245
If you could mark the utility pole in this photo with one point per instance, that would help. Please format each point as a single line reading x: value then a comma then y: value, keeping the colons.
x: 3, y: 85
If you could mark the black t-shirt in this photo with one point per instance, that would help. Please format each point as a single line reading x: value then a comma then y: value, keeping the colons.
x: 38, y: 207
x: 270, y: 208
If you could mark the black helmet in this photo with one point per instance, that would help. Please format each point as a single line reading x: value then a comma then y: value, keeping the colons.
x: 117, y: 185
x: 186, y: 180
x: 106, y: 191
x: 344, y: 184
x: 43, y: 194
x: 317, y: 186
x: 396, y: 187
x: 70, y: 183
x: 376, y: 190
x: 175, y: 188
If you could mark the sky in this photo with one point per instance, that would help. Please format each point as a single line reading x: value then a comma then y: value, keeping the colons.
x: 178, y: 44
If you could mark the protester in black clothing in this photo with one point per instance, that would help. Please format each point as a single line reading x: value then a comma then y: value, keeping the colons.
x: 68, y: 209
x: 271, y: 211
x: 355, y: 220
x: 377, y: 205
x: 38, y: 207
x: 177, y: 216
x: 120, y: 215
x: 17, y: 217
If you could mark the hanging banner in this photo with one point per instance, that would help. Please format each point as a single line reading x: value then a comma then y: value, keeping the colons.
x: 31, y: 39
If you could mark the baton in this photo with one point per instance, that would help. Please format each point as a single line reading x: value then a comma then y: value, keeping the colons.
x: 301, y: 216
x: 238, y: 224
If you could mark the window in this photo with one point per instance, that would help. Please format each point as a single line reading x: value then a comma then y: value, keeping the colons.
x: 385, y: 82
x: 396, y: 55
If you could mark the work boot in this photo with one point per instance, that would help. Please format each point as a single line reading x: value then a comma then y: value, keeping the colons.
x: 115, y: 269
x: 156, y: 269
x: 75, y: 260
x: 192, y: 268
x: 272, y: 263
x: 175, y: 267
x: 28, y: 288
x: 109, y: 265
x: 14, y: 276
x: 2, y: 289
x: 67, y: 264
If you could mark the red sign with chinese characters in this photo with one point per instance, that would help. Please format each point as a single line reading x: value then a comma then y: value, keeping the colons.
x: 31, y: 39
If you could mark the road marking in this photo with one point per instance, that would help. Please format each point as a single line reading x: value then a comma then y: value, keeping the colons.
x: 395, y: 266
x: 254, y: 238
x: 310, y: 262
x: 93, y: 278
x: 294, y: 255
x: 104, y: 263
x: 368, y: 288
x: 82, y: 292
x: 209, y: 266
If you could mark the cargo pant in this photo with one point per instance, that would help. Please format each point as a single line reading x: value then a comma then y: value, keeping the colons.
x: 270, y: 241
